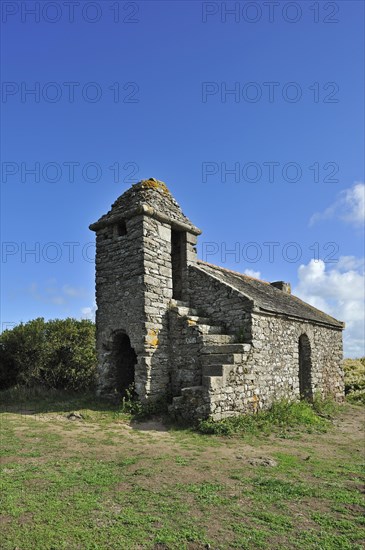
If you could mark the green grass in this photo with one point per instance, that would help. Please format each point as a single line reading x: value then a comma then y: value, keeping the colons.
x: 98, y: 483
x: 282, y: 417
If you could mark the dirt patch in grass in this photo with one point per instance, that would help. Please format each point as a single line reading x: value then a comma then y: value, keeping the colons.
x: 156, y: 426
x: 150, y: 486
x: 5, y: 518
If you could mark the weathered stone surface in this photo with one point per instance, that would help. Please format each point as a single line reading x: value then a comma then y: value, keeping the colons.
x: 216, y: 342
x: 263, y: 461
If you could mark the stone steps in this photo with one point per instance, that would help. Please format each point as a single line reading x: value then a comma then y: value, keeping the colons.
x: 190, y: 390
x: 212, y: 370
x: 210, y: 329
x: 185, y: 311
x: 222, y: 358
x: 179, y: 303
x: 218, y: 339
x: 190, y: 401
x: 212, y: 382
x: 192, y: 314
x: 198, y: 320
x: 219, y: 356
x: 224, y: 347
x: 217, y: 381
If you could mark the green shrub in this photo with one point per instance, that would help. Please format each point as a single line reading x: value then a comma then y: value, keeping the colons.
x: 285, y: 413
x: 355, y: 379
x: 57, y: 354
x: 325, y: 406
x: 130, y: 403
x: 357, y: 396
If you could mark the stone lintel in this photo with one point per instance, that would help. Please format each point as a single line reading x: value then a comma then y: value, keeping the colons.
x: 146, y: 210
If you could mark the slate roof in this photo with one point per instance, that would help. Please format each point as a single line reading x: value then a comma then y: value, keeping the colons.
x: 268, y: 298
x: 151, y: 194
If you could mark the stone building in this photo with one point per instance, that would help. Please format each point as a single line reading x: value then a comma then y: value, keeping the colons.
x: 212, y: 341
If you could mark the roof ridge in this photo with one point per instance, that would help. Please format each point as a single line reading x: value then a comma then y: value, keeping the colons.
x: 273, y: 301
x: 234, y: 272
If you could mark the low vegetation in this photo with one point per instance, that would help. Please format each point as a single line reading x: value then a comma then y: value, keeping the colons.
x: 283, y: 417
x: 355, y: 379
x: 80, y: 474
x: 57, y: 354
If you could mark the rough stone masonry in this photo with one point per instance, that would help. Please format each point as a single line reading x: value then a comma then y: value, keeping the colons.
x: 214, y: 342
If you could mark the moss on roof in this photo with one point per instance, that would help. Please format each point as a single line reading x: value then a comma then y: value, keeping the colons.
x: 152, y: 183
x: 150, y: 193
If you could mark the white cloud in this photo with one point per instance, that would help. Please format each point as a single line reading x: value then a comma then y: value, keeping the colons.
x: 88, y: 312
x: 57, y: 300
x: 337, y: 289
x: 53, y: 294
x: 252, y: 273
x: 49, y: 294
x: 346, y: 263
x: 73, y: 291
x: 349, y: 207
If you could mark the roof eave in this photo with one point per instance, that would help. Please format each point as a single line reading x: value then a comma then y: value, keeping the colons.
x: 338, y: 325
x: 146, y: 210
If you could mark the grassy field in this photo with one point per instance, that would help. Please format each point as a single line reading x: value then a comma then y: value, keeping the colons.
x: 96, y: 480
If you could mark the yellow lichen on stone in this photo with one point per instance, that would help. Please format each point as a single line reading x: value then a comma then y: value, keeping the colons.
x: 191, y: 322
x: 155, y: 184
x: 255, y: 403
x: 152, y: 337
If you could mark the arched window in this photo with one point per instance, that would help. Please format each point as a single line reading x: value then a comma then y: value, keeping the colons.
x: 305, y: 368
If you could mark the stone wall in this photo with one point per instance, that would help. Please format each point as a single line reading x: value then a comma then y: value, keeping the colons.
x: 223, y: 304
x: 271, y: 370
x: 158, y: 293
x: 275, y: 357
x: 185, y: 346
x: 133, y: 293
x: 120, y: 297
x: 163, y: 343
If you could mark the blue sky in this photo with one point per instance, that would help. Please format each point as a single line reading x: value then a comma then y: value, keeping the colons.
x: 253, y: 118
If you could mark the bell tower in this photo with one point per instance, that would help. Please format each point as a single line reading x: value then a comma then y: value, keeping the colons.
x: 144, y: 246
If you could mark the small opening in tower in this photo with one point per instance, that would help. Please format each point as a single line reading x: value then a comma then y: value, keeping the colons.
x: 178, y: 242
x: 121, y: 228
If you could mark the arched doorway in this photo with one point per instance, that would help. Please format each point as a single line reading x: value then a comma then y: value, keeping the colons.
x: 305, y: 368
x: 123, y: 362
